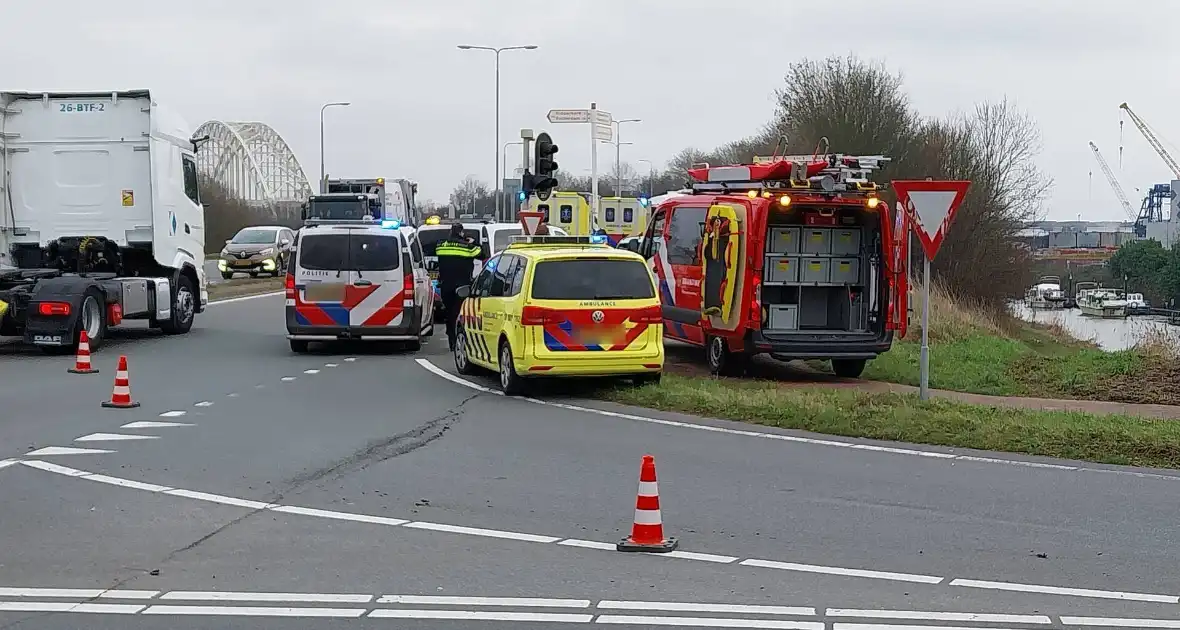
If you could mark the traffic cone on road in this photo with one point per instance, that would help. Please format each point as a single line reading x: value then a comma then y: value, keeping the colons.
x: 121, y: 394
x: 82, y: 362
x: 647, y: 532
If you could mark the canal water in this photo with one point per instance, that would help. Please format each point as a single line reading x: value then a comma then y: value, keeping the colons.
x: 1109, y: 334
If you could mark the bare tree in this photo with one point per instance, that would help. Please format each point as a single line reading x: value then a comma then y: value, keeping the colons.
x: 471, y: 195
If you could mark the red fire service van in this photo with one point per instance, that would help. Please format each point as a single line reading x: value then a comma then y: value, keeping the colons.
x: 794, y: 256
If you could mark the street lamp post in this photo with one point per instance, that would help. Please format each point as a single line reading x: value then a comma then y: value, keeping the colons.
x: 651, y: 177
x: 504, y: 156
x: 497, y: 51
x: 324, y: 175
x: 618, y: 153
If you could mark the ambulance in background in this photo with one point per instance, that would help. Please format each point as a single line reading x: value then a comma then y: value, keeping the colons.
x: 569, y: 211
x: 621, y: 217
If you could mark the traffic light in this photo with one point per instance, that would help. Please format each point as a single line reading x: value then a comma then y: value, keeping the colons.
x: 543, y: 150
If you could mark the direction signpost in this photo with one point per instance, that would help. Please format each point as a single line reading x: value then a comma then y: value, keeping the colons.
x: 930, y: 206
x: 600, y: 130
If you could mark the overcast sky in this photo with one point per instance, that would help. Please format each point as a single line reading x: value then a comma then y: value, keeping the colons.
x: 697, y: 72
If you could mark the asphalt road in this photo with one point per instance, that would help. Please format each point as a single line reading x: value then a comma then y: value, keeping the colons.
x: 358, y: 486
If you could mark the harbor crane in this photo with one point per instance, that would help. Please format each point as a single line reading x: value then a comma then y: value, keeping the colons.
x: 1114, y: 183
x: 1152, y: 139
x: 1160, y: 194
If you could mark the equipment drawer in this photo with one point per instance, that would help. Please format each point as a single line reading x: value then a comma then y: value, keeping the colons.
x: 817, y: 240
x: 782, y: 317
x: 815, y: 269
x: 845, y: 271
x: 782, y: 269
x: 845, y: 242
x: 784, y: 240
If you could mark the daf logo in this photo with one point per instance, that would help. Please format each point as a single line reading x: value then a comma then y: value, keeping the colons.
x: 597, y: 316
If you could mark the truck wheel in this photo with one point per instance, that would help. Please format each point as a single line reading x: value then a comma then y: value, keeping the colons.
x: 723, y: 362
x: 183, y: 308
x: 848, y: 368
x: 92, y: 318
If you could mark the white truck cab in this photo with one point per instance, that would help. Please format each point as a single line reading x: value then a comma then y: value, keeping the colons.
x: 100, y: 215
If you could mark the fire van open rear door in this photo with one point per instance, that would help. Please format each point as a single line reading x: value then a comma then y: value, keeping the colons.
x: 895, y: 229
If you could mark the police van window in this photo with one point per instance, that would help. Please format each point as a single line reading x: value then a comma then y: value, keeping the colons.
x: 684, y: 235
x: 374, y: 252
x: 544, y: 210
x: 628, y: 215
x: 610, y: 215
x: 323, y: 252
x: 597, y: 279
x: 415, y: 249
x: 567, y: 214
x: 501, y: 283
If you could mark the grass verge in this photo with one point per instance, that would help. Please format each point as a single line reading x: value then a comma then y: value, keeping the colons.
x: 1109, y: 439
x: 244, y: 287
x: 974, y: 350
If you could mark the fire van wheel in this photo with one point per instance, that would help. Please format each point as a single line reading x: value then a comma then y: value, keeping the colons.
x: 723, y: 362
x: 848, y: 368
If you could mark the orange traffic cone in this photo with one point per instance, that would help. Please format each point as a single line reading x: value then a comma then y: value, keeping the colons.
x: 121, y: 395
x: 82, y: 362
x: 647, y: 532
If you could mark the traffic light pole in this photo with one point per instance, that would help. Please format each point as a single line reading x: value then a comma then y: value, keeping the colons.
x: 593, y: 164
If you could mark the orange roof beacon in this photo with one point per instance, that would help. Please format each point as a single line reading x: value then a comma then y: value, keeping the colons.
x: 793, y: 256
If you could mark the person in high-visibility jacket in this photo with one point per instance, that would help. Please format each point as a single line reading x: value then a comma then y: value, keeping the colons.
x: 456, y: 260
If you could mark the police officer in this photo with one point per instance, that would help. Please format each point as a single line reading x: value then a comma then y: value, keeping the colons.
x: 456, y: 261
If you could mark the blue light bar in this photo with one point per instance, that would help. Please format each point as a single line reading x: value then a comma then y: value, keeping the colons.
x: 392, y: 224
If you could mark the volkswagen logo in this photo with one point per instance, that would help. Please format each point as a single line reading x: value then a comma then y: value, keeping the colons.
x: 597, y: 316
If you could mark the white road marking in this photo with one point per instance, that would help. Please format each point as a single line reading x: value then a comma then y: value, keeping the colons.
x: 350, y: 359
x: 479, y: 531
x: 437, y: 371
x: 595, y: 545
x: 812, y: 568
x: 66, y: 450
x: 67, y: 607
x: 84, y: 593
x: 217, y: 498
x: 937, y: 616
x: 733, y: 609
x: 152, y: 424
x: 524, y: 602
x: 254, y: 611
x: 172, y: 414
x: 703, y: 557
x: 238, y: 596
x: 339, y: 516
x: 287, y: 379
x: 1059, y: 590
x: 1120, y: 623
x: 476, y: 615
x: 5, y: 463
x: 889, y: 626
x: 244, y: 298
x: 204, y: 403
x: 113, y: 437
x: 311, y: 371
x: 330, y: 365
x: 712, y: 622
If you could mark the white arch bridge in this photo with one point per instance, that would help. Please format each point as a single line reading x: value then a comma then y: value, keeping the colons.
x: 252, y: 164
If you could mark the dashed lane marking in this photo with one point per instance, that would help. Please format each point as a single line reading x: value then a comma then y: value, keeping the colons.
x: 66, y: 450
x: 732, y: 609
x: 597, y: 545
x: 311, y: 371
x: 172, y: 414
x: 203, y: 403
x: 331, y: 365
x: 912, y: 452
x: 228, y: 596
x: 5, y: 463
x: 918, y: 615
x: 523, y: 602
x: 287, y: 379
x: 479, y: 615
x: 83, y: 593
x: 68, y: 607
x: 254, y: 611
x: 1120, y: 623
x: 152, y: 424
x: 113, y: 437
x: 243, y: 298
x: 349, y: 359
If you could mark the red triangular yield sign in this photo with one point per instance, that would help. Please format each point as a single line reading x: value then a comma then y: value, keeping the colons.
x: 931, y: 206
x: 529, y: 221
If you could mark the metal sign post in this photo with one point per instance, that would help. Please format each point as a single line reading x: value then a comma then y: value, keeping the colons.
x: 931, y: 206
x: 600, y: 129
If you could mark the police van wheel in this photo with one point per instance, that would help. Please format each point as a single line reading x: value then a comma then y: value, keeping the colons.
x: 299, y: 345
x: 463, y: 365
x: 510, y: 382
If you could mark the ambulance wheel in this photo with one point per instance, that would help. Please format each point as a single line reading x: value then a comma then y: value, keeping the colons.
x: 722, y: 361
x: 647, y: 379
x: 299, y: 345
x: 510, y: 382
x: 848, y: 368
x: 463, y: 365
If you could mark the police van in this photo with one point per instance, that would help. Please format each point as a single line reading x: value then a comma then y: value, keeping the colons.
x: 361, y: 279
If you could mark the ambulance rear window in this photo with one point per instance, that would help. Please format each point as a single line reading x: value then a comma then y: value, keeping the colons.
x: 592, y: 279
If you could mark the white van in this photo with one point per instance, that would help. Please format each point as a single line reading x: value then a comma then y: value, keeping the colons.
x: 358, y: 280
